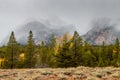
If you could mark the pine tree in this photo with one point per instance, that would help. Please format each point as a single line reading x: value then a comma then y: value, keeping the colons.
x: 109, y: 56
x: 51, y: 51
x: 30, y: 52
x: 43, y: 53
x: 76, y: 49
x: 100, y: 62
x: 52, y: 41
x: 103, y: 56
x: 64, y: 56
x: 117, y: 44
x: 11, y: 53
x: 88, y: 59
x: 116, y: 54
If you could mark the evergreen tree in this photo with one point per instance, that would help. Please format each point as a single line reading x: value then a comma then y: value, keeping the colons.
x: 11, y: 53
x: 64, y: 57
x: 30, y: 52
x: 52, y: 41
x: 117, y: 44
x: 101, y: 59
x: 116, y: 54
x: 51, y: 51
x: 88, y: 59
x: 110, y: 53
x: 76, y: 49
x: 43, y: 52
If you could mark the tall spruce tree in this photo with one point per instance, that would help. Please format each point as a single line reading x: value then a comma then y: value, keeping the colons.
x: 117, y: 44
x: 116, y: 54
x: 76, y: 48
x: 30, y: 52
x: 11, y: 53
x: 64, y: 56
x: 43, y: 53
x: 51, y: 53
x: 101, y: 59
x: 52, y: 41
x: 88, y: 59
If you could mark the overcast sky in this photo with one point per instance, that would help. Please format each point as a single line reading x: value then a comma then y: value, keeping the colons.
x: 77, y: 12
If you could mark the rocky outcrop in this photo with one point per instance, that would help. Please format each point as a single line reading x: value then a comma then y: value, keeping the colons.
x: 97, y: 35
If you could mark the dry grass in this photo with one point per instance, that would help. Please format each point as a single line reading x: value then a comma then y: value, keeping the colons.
x: 79, y: 73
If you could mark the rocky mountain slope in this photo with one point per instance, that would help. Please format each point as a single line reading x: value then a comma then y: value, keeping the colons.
x: 97, y: 35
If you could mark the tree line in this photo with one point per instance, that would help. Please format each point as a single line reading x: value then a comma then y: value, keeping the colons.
x: 67, y: 52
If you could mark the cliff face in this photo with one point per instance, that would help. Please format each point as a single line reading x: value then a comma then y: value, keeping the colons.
x: 97, y: 35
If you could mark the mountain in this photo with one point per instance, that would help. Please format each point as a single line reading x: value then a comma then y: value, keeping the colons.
x: 41, y: 32
x: 97, y: 35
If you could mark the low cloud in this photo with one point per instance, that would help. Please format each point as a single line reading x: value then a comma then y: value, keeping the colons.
x: 77, y: 12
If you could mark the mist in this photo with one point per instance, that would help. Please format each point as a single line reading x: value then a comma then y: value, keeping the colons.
x: 80, y: 13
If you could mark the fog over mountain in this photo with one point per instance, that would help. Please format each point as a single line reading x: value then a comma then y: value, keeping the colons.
x: 41, y: 31
x: 103, y: 30
x: 56, y: 13
x: 77, y: 12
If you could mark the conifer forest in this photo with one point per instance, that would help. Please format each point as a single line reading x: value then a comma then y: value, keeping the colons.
x: 65, y: 51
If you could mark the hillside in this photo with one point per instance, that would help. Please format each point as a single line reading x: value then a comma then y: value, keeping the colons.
x: 97, y: 35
